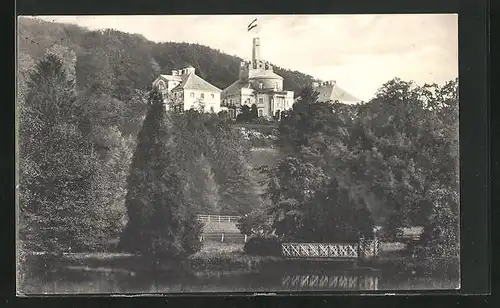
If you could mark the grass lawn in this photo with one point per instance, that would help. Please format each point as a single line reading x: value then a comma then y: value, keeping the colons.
x: 263, y: 157
x: 219, y: 227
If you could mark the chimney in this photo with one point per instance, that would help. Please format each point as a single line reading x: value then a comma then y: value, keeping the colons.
x: 190, y: 70
x: 256, y: 49
x: 174, y: 72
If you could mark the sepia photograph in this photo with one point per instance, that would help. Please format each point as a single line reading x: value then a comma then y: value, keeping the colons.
x: 187, y: 154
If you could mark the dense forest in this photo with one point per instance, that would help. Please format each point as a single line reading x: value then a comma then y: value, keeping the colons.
x: 399, y: 150
x: 133, y: 60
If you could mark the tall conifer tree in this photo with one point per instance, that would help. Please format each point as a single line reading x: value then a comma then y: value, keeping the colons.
x: 160, y: 223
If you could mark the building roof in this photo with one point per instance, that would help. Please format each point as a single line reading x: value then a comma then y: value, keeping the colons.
x: 335, y: 93
x: 267, y: 74
x: 236, y: 86
x: 194, y: 82
x: 170, y: 77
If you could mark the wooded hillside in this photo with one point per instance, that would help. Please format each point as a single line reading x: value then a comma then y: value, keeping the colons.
x: 130, y: 61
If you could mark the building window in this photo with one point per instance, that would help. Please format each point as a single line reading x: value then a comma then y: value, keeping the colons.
x: 212, y: 96
x: 212, y: 109
x: 191, y: 94
x: 261, y: 85
x: 260, y: 112
x: 230, y: 102
x: 261, y: 101
x: 202, y: 95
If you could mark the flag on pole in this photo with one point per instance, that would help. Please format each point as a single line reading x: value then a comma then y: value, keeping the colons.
x: 252, y: 25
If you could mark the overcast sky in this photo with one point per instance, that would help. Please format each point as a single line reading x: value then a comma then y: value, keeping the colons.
x: 360, y: 52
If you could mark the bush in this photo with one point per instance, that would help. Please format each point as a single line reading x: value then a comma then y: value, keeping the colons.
x: 262, y: 120
x: 263, y: 246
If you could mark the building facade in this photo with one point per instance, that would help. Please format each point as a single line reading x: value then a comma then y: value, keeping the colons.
x: 257, y: 84
x: 184, y: 90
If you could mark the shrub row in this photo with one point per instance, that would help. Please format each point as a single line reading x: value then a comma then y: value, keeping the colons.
x: 263, y: 246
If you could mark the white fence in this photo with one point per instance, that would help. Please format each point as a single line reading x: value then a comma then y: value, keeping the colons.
x: 218, y: 218
x: 369, y: 248
x: 224, y: 237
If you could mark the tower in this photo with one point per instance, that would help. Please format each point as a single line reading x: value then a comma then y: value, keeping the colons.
x: 244, y: 67
x: 256, y: 49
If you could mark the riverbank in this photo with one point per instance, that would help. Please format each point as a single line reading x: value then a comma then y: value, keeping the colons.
x: 217, y: 256
x: 227, y: 258
x: 214, y: 256
x: 403, y: 265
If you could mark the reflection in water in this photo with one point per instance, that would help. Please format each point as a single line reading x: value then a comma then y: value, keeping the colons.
x: 75, y: 281
x: 331, y: 282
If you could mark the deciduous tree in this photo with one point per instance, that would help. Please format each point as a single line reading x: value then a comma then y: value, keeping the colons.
x: 57, y: 166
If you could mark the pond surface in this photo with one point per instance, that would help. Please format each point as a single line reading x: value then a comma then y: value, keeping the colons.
x: 104, y: 281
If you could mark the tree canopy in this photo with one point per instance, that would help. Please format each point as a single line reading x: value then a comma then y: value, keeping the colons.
x: 392, y: 161
x: 57, y: 167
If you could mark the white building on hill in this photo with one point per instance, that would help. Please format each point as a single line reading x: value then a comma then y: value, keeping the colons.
x: 257, y: 84
x: 186, y: 90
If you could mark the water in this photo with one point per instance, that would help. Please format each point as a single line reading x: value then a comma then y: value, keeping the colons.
x: 105, y: 281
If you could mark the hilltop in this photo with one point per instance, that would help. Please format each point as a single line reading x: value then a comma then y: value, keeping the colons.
x: 131, y: 61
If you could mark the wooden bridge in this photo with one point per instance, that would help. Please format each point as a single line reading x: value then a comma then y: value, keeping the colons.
x: 222, y: 228
x: 326, y: 251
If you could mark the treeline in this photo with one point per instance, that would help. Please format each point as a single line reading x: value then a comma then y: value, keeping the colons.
x: 392, y: 162
x: 131, y: 59
x: 78, y: 161
x: 184, y: 164
x: 73, y: 164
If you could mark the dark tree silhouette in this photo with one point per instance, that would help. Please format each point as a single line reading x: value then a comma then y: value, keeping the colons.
x: 160, y: 224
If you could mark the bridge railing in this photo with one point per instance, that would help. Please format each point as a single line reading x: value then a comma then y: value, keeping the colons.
x: 362, y: 249
x: 218, y: 218
x: 317, y: 250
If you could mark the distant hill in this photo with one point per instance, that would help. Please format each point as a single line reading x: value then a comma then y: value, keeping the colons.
x: 130, y: 60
